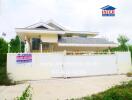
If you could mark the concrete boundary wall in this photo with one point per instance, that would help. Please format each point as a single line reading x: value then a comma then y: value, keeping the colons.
x: 48, y: 65
x: 124, y: 62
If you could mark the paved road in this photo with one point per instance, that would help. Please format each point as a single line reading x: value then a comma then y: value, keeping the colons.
x: 53, y: 89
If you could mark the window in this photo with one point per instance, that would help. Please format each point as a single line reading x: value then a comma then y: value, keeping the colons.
x: 59, y: 37
x: 35, y: 43
x: 83, y: 35
x: 45, y: 45
x: 68, y: 35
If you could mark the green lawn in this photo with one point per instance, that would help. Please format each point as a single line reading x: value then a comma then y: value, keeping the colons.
x: 119, y: 92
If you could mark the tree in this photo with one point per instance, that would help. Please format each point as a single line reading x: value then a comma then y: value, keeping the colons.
x: 15, y: 45
x: 3, y: 52
x: 22, y: 46
x: 3, y: 46
x: 122, y: 39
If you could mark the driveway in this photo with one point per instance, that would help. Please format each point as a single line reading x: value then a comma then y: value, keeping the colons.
x: 53, y: 89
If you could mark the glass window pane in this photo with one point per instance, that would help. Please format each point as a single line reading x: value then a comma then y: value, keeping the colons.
x: 35, y: 43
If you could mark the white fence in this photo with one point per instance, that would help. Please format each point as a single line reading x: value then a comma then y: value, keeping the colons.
x: 47, y: 65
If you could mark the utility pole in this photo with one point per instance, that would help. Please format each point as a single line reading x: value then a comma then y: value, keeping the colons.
x: 128, y: 47
x: 9, y: 47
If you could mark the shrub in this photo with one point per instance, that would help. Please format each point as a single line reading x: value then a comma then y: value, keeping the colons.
x: 26, y: 95
x: 4, y: 77
x: 129, y: 74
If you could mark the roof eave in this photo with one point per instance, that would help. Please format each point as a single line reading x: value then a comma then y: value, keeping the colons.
x: 82, y: 32
x: 25, y: 30
x: 88, y: 45
x: 21, y: 30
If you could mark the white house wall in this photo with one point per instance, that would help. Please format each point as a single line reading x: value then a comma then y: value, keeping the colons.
x: 50, y: 38
x: 48, y: 65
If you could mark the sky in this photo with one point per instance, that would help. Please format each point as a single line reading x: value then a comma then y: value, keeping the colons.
x: 77, y: 15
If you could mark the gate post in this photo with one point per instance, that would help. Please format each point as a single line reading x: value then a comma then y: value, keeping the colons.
x: 64, y: 73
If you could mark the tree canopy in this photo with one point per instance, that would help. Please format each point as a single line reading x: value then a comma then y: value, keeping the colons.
x: 122, y: 39
x: 3, y: 51
x: 3, y: 46
x: 15, y: 45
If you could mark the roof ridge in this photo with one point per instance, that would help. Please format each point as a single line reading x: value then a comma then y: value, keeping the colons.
x: 39, y: 24
x: 56, y: 24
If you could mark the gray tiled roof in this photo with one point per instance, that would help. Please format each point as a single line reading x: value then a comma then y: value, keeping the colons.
x: 83, y: 40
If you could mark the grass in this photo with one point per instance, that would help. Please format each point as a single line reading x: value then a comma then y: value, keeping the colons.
x: 118, y: 92
x: 4, y: 77
x: 26, y: 95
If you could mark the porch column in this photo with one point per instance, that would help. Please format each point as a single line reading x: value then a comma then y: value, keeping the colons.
x: 41, y: 47
x: 27, y: 46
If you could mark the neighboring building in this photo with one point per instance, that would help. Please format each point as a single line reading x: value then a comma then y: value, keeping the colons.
x: 50, y: 37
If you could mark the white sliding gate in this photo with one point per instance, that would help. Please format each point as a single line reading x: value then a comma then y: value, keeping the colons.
x: 89, y: 65
x: 84, y: 65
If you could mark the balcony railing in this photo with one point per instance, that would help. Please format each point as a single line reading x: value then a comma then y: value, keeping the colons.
x: 84, y: 40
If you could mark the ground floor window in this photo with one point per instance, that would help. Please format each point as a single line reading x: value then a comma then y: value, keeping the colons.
x: 35, y: 43
x: 46, y: 46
